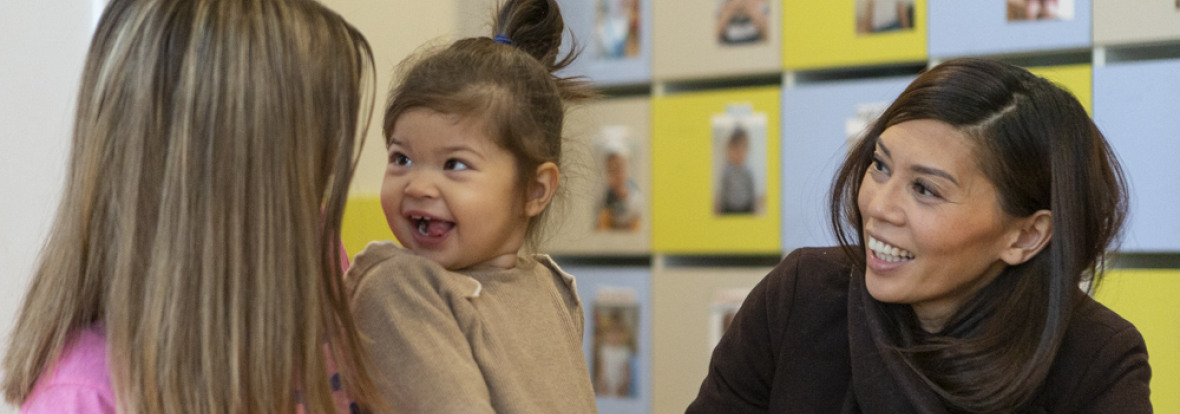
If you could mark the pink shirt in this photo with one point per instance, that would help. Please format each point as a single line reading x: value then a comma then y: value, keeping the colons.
x: 79, y: 382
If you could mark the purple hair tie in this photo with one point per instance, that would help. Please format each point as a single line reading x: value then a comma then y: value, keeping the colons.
x: 503, y: 39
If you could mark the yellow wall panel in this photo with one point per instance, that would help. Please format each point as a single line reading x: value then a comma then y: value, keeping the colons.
x: 1147, y: 298
x: 1077, y: 79
x: 683, y: 220
x: 821, y: 34
x: 363, y: 222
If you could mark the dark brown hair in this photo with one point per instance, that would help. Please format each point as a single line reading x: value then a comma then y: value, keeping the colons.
x: 1040, y: 149
x: 512, y: 87
x: 212, y: 150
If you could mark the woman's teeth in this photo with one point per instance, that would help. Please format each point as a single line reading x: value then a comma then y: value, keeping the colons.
x: 888, y: 253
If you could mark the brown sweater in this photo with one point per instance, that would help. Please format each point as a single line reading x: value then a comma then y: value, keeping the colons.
x: 802, y: 343
x: 507, y: 341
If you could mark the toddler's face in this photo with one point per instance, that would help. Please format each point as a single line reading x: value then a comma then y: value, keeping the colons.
x: 450, y: 193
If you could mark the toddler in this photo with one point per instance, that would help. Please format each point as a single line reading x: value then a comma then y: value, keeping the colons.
x: 459, y: 319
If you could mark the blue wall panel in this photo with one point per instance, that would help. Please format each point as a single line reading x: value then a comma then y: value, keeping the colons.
x: 591, y: 281
x: 963, y: 28
x: 582, y: 21
x: 1137, y: 107
x: 814, y: 146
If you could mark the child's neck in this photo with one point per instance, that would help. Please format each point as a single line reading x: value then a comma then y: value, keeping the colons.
x: 501, y: 262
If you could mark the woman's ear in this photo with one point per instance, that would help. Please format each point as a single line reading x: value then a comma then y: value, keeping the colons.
x: 541, y: 188
x: 1032, y: 235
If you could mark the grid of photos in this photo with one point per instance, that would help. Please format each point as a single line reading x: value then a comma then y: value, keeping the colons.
x: 616, y: 28
x: 616, y: 342
x: 739, y: 161
x: 1027, y: 10
x: 621, y: 206
x: 742, y: 22
x: 884, y: 16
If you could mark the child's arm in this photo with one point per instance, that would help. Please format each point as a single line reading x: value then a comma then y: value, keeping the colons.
x: 422, y: 360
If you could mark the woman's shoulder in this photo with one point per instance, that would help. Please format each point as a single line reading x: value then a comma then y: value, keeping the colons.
x: 1094, y: 330
x: 80, y: 381
x: 386, y: 267
x: 1091, y: 318
x: 1102, y: 364
x: 814, y: 269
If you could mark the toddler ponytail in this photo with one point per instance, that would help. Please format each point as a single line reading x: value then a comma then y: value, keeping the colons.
x: 536, y: 27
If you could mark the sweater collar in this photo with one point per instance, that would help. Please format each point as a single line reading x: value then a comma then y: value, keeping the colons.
x: 882, y: 382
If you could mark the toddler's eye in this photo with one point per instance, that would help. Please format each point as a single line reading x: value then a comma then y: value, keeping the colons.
x: 400, y: 159
x: 454, y: 164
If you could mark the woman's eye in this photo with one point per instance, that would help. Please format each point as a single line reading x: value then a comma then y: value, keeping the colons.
x: 924, y: 190
x: 400, y: 159
x: 454, y: 164
x: 879, y: 165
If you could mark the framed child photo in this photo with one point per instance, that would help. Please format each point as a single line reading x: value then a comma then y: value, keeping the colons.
x: 607, y: 174
x: 614, y: 38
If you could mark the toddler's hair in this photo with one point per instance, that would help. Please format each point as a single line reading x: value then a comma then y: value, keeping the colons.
x: 508, y: 80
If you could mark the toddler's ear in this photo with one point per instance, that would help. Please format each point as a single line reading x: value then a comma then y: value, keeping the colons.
x: 541, y: 188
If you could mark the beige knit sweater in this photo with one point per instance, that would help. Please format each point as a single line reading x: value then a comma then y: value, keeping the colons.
x: 506, y: 341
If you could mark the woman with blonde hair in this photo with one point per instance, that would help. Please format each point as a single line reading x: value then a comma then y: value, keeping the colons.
x: 192, y: 264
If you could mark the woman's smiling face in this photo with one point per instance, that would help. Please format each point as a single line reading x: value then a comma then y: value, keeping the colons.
x: 932, y: 221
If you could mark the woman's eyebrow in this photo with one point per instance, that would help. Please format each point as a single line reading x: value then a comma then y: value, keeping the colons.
x: 922, y: 169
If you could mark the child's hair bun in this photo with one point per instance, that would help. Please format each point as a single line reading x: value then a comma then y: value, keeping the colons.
x: 536, y: 27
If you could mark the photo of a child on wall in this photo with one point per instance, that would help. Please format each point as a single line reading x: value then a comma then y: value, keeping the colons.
x: 725, y: 306
x: 1028, y: 10
x: 864, y: 114
x: 621, y: 205
x: 739, y: 161
x: 884, y: 16
x: 616, y: 339
x: 741, y: 22
x: 616, y: 28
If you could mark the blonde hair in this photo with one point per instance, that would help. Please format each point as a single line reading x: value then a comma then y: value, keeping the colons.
x: 213, y: 146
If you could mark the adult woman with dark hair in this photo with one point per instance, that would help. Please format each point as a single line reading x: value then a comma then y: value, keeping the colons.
x: 968, y: 217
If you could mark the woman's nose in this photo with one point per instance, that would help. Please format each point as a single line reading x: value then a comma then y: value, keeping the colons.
x: 884, y: 201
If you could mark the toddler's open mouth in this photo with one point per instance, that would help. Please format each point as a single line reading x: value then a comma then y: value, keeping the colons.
x: 430, y: 227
